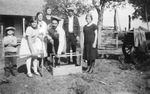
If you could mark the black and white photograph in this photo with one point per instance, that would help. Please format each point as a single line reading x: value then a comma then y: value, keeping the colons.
x: 74, y: 47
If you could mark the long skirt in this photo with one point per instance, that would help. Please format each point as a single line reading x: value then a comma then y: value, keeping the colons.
x: 89, y: 52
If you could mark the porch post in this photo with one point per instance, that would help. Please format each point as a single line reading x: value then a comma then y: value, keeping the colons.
x: 2, y: 33
x: 23, y: 20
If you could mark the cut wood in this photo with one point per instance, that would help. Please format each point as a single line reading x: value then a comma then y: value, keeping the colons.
x: 22, y: 55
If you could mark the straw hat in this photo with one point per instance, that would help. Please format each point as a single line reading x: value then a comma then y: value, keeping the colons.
x: 70, y: 9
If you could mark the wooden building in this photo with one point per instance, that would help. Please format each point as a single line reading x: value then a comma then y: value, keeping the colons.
x: 18, y: 12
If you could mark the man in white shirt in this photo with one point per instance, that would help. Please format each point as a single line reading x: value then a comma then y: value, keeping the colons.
x: 72, y: 30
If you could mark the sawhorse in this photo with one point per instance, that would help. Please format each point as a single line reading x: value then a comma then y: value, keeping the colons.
x: 66, y: 68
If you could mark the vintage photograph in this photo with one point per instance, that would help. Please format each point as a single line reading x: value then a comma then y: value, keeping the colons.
x: 74, y: 47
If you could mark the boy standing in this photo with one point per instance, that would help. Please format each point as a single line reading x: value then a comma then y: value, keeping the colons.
x: 10, y: 48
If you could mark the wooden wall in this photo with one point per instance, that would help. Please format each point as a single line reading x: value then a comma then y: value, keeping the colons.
x: 19, y: 26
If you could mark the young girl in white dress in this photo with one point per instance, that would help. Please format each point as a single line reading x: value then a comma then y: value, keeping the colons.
x: 29, y: 47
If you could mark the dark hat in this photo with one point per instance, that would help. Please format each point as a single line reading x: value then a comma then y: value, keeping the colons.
x: 55, y: 18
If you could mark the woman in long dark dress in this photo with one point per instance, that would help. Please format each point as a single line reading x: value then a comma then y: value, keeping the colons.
x: 90, y: 42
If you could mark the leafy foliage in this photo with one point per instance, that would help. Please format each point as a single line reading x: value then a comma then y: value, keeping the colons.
x: 60, y: 7
x: 80, y: 6
x: 141, y: 7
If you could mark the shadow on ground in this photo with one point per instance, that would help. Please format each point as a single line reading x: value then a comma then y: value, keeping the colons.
x: 22, y: 69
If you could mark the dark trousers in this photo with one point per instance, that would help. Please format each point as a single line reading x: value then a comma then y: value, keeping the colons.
x: 71, y: 43
x: 56, y: 44
x: 49, y: 51
x: 10, y: 64
x: 10, y: 61
x: 49, y: 48
x: 52, y: 48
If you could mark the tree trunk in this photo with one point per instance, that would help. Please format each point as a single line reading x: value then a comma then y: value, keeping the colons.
x: 100, y: 12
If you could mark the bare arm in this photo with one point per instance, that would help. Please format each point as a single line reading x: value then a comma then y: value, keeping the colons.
x: 29, y: 38
x: 95, y: 39
x: 30, y: 44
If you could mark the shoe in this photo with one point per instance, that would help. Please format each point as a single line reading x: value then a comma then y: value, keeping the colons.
x: 48, y: 69
x: 4, y: 82
x: 30, y: 75
x: 7, y: 71
x: 36, y: 73
x: 14, y: 72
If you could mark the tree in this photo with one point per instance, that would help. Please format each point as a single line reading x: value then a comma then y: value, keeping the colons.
x: 141, y: 7
x: 83, y: 7
x: 60, y: 6
x: 100, y: 6
x: 141, y: 10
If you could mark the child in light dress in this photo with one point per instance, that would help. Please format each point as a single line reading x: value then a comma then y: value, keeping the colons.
x: 30, y: 48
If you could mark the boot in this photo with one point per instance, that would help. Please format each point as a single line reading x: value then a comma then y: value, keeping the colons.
x: 7, y: 71
x: 14, y: 70
x: 4, y: 81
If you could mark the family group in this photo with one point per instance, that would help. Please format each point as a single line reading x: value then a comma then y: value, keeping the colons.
x: 45, y: 37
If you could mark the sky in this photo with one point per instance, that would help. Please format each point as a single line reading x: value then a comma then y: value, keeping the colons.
x: 122, y: 16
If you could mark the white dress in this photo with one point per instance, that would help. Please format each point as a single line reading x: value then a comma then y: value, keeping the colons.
x: 24, y: 48
x: 42, y: 27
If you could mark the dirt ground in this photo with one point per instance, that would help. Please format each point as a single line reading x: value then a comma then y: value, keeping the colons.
x: 109, y: 77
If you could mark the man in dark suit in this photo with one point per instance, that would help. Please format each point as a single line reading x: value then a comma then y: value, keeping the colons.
x: 72, y: 30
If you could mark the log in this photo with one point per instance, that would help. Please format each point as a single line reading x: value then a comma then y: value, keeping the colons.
x: 22, y: 55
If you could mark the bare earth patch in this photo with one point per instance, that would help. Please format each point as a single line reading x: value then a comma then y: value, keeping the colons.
x: 109, y: 77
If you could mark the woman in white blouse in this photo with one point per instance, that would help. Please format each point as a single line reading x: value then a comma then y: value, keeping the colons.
x: 42, y: 27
